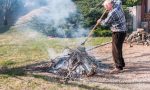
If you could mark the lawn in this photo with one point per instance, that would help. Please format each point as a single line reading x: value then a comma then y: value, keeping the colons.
x: 21, y: 48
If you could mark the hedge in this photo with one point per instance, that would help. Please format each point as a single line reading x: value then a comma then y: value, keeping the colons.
x: 102, y: 33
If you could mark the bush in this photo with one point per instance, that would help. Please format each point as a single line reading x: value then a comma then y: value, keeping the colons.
x: 90, y: 10
x: 102, y: 33
x: 132, y: 2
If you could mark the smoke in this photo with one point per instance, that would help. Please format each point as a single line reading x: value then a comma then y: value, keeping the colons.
x: 60, y: 10
x: 53, y: 54
x: 53, y: 17
x: 58, y: 18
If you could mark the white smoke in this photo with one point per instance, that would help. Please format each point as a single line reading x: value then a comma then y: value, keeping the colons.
x: 57, y: 10
x: 52, y: 11
x: 60, y: 10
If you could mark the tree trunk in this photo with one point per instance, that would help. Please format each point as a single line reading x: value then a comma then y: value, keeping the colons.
x: 5, y: 20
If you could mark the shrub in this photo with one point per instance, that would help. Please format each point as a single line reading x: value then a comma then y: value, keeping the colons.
x: 102, y: 33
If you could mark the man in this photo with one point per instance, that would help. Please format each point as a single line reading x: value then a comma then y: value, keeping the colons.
x: 116, y: 20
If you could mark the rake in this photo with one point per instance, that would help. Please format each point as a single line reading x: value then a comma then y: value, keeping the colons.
x: 91, y: 32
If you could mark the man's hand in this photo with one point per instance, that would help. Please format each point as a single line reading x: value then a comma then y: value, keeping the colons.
x: 99, y: 21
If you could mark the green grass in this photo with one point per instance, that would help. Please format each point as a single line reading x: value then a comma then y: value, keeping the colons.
x: 19, y: 49
x: 34, y: 83
x: 25, y: 52
x: 60, y: 43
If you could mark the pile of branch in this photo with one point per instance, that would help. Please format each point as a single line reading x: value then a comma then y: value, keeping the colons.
x: 76, y: 63
x: 139, y: 37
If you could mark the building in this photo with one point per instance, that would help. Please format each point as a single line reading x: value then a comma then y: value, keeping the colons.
x: 141, y: 15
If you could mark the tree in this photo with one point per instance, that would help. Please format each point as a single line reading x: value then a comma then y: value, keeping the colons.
x: 90, y: 10
x: 132, y: 2
x: 7, y: 7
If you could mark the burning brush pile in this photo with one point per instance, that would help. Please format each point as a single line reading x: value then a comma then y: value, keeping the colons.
x: 75, y: 64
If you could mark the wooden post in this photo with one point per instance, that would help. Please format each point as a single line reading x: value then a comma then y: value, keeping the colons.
x: 143, y: 8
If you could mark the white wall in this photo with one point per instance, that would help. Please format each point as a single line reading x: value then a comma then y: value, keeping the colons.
x: 134, y: 18
x: 148, y: 4
x: 138, y: 8
x: 136, y: 13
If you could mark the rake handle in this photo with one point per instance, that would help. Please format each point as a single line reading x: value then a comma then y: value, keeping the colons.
x: 93, y: 28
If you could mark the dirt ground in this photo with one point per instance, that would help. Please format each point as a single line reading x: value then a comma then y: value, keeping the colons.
x: 136, y: 75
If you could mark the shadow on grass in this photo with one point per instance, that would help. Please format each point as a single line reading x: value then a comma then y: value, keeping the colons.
x: 18, y: 71
x: 22, y: 71
x: 72, y: 84
x: 12, y: 71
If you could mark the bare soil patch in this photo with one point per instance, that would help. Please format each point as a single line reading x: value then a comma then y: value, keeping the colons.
x: 136, y: 75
